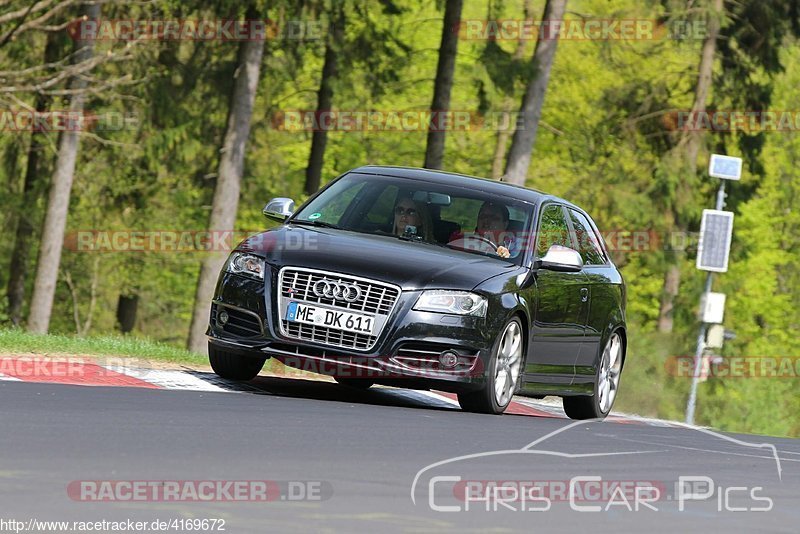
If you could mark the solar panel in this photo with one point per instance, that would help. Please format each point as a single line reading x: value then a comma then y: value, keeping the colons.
x: 714, y: 247
x: 726, y: 167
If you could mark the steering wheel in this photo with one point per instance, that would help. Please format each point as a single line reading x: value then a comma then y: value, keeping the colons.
x: 474, y: 242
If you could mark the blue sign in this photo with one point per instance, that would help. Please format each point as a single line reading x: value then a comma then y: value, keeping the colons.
x: 291, y: 312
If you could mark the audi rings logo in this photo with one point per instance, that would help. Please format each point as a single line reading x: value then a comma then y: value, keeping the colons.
x: 337, y: 290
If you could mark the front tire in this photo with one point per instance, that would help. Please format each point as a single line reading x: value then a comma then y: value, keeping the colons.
x: 502, y: 376
x: 234, y: 367
x: 357, y: 383
x: 599, y: 405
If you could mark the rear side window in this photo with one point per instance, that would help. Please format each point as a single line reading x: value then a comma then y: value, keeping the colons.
x: 553, y: 230
x: 588, y: 245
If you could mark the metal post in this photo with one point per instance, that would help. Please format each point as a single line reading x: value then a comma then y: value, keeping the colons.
x: 701, y: 337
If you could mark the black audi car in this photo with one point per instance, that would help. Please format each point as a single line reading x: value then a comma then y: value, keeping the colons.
x: 427, y: 279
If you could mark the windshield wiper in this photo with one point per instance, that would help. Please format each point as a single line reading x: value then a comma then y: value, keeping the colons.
x: 419, y: 239
x: 319, y: 224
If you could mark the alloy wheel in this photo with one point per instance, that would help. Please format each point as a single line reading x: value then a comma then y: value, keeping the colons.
x: 610, y: 368
x: 509, y: 362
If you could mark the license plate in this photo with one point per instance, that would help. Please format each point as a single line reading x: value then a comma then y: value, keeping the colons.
x: 341, y: 320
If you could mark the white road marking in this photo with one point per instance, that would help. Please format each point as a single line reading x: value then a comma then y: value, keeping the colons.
x: 168, y: 379
x: 698, y: 449
x: 9, y: 378
x: 428, y: 397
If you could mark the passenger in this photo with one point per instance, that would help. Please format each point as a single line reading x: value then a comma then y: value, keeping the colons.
x: 407, y: 212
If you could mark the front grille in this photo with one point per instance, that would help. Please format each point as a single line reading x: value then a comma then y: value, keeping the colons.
x: 328, y: 336
x: 377, y: 300
x: 241, y: 323
x: 376, y: 297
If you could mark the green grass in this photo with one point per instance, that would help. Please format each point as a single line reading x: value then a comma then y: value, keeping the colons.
x: 647, y: 388
x: 16, y: 340
x: 20, y: 341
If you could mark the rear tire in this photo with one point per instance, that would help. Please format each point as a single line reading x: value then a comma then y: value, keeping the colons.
x: 234, y: 367
x: 502, y: 376
x: 606, y: 384
x: 582, y: 407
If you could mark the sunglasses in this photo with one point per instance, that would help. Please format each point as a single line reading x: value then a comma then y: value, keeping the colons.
x: 400, y: 210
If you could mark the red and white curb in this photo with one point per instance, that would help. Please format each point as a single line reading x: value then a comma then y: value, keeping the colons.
x: 86, y: 372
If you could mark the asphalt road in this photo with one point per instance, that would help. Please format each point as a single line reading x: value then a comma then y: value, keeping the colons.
x: 357, y: 454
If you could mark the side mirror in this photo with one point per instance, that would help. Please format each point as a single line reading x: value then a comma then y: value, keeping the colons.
x: 561, y: 259
x: 278, y: 209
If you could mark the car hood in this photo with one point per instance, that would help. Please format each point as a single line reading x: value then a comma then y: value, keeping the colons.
x: 410, y: 265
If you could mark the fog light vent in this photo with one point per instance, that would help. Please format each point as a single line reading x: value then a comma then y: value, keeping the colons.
x: 448, y: 359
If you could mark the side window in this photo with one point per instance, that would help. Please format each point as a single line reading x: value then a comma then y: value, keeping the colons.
x: 588, y: 246
x: 553, y: 230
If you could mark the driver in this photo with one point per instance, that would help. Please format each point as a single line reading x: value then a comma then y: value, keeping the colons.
x: 492, y: 224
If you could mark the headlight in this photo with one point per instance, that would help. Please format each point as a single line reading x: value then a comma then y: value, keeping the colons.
x: 457, y: 302
x: 246, y: 264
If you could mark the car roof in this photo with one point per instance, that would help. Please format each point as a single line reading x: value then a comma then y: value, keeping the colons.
x: 450, y: 178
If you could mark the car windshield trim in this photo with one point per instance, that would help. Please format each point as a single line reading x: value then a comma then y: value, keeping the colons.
x: 320, y: 224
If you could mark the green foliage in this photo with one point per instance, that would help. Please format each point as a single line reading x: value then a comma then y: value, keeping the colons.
x: 606, y: 141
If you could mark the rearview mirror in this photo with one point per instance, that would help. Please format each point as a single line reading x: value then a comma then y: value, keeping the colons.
x: 278, y: 209
x: 429, y: 197
x: 561, y: 259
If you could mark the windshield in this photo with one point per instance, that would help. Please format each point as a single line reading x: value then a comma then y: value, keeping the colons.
x: 459, y: 218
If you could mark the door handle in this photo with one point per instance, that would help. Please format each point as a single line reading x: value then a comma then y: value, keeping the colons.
x: 584, y: 294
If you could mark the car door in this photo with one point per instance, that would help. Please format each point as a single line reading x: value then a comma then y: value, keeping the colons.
x: 603, y: 299
x: 557, y: 328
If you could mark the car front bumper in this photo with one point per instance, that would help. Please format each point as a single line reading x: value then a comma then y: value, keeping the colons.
x: 407, y: 353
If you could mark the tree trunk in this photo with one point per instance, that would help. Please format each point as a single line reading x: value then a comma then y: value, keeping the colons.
x: 434, y: 151
x: 672, y: 282
x: 504, y: 133
x: 704, y: 73
x: 226, y: 192
x: 500, y: 153
x: 330, y: 70
x: 690, y: 145
x: 519, y: 157
x: 32, y: 189
x: 55, y: 222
